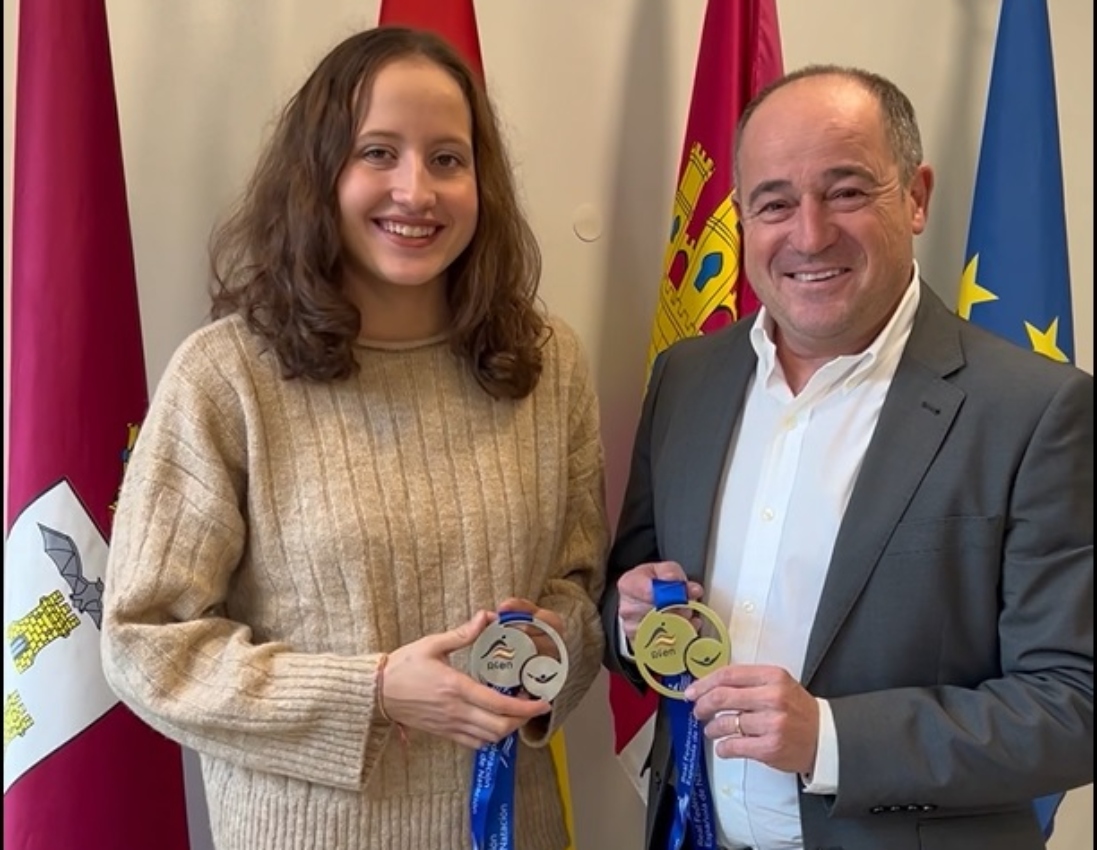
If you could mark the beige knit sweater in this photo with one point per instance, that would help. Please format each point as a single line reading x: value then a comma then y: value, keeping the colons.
x: 273, y: 537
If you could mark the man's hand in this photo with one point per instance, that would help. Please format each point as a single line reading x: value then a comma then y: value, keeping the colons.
x: 634, y: 589
x: 758, y: 712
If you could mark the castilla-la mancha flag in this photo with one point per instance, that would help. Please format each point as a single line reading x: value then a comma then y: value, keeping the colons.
x: 80, y: 771
x: 703, y: 287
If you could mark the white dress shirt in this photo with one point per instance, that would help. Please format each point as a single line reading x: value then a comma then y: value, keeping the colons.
x: 776, y: 519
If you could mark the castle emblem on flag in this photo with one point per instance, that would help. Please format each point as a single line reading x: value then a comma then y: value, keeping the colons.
x: 17, y: 719
x: 51, y: 618
x: 697, y: 292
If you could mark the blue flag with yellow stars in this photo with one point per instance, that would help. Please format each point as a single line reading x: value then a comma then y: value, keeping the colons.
x: 1016, y: 280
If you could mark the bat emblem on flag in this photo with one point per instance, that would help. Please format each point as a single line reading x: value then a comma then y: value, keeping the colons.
x: 86, y: 596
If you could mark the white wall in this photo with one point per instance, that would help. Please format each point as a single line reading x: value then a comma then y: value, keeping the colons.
x: 594, y: 94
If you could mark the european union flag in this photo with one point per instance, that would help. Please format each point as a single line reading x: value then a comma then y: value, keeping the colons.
x: 1016, y: 280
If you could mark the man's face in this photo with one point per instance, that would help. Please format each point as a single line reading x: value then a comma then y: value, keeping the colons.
x: 828, y: 224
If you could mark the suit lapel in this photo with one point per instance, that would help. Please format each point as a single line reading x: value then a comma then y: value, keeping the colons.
x: 916, y: 416
x: 701, y: 456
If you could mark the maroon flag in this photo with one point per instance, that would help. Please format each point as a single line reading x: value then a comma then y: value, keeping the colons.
x: 703, y: 287
x: 79, y: 769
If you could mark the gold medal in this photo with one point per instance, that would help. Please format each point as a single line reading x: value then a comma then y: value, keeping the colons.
x: 667, y: 644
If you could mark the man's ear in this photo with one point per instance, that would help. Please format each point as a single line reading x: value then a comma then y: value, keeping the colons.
x: 920, y: 190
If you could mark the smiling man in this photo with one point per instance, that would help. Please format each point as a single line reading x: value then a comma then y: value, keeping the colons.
x: 890, y: 508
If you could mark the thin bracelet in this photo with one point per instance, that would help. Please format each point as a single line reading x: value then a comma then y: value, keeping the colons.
x: 381, y: 664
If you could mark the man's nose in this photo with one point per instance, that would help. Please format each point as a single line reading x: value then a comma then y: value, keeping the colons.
x: 813, y: 229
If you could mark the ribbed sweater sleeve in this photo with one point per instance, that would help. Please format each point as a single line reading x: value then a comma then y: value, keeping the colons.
x: 168, y: 647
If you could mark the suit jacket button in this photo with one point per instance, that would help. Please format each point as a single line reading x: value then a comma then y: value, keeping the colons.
x: 875, y: 810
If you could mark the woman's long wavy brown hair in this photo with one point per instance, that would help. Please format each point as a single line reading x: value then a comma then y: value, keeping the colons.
x: 277, y: 259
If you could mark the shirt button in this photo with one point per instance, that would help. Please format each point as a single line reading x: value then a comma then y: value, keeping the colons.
x: 725, y: 790
x: 748, y: 607
x: 767, y: 514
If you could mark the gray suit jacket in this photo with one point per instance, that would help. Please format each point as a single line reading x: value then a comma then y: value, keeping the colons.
x: 954, y: 636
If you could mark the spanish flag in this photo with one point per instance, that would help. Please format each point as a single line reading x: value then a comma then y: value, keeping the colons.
x: 455, y: 21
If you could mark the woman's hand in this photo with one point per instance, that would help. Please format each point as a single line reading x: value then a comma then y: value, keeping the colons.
x: 422, y: 691
x: 545, y: 645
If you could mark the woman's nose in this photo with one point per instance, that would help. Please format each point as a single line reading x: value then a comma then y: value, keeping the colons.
x: 413, y: 185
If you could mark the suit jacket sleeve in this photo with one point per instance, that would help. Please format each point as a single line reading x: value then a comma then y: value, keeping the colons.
x: 1027, y: 729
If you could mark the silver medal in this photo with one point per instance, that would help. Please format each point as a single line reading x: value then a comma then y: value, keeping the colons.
x: 505, y: 656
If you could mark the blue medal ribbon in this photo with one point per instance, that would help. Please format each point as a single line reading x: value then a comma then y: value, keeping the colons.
x: 694, y: 799
x: 491, y: 802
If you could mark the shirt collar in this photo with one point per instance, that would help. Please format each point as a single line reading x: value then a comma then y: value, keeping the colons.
x: 853, y: 368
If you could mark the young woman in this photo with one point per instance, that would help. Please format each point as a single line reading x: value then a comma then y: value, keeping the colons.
x: 379, y: 441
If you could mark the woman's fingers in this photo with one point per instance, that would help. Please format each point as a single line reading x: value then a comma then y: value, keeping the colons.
x: 490, y: 700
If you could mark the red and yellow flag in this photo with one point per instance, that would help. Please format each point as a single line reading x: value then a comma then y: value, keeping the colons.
x: 703, y: 287
x: 79, y: 769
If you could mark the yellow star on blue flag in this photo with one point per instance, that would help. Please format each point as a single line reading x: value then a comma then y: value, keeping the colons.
x: 1047, y: 342
x: 971, y: 293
